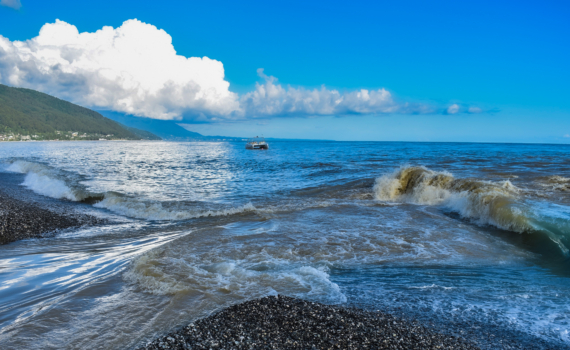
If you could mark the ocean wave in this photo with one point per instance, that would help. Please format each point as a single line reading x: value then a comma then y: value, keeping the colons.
x: 162, y: 271
x: 555, y: 182
x: 54, y: 183
x: 432, y: 286
x: 155, y: 210
x: 499, y: 204
x: 51, y: 182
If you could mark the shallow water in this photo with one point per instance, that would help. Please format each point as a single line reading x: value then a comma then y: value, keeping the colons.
x: 472, y: 233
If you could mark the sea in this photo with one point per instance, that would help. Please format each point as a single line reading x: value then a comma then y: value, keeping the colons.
x: 472, y: 239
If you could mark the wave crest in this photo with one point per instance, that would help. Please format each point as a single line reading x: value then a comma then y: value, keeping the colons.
x: 556, y: 183
x: 58, y: 184
x: 153, y: 210
x: 172, y: 270
x: 493, y: 203
x: 50, y: 182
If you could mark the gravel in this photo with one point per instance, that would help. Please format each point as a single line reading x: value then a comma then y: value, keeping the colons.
x: 279, y: 322
x: 24, y: 220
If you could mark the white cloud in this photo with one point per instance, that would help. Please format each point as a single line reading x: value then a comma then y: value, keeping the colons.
x: 453, y: 109
x: 460, y: 108
x: 15, y: 4
x: 272, y: 99
x: 132, y: 69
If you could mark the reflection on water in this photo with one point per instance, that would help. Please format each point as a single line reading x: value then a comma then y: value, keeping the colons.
x: 466, y: 231
x: 37, y: 275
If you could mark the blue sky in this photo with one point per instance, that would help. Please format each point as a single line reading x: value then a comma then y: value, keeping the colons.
x: 508, y: 59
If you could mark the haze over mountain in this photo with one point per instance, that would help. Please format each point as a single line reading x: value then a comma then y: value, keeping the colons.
x: 166, y: 129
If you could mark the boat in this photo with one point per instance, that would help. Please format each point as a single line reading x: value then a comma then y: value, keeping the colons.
x: 257, y: 143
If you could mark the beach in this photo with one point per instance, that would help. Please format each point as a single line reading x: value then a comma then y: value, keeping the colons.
x: 279, y: 322
x: 26, y: 220
x: 462, y: 245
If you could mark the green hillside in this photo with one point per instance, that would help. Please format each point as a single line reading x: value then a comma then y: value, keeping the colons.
x: 25, y: 112
x: 142, y: 134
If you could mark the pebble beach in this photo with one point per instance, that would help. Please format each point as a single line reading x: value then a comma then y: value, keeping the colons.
x: 280, y: 322
x: 25, y: 220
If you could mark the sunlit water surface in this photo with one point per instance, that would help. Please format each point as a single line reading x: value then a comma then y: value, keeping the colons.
x: 472, y: 233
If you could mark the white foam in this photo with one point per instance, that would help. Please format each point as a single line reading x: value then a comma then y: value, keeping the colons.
x: 555, y: 183
x: 432, y: 286
x: 44, y: 180
x: 171, y: 270
x: 389, y: 188
x: 153, y: 210
x: 48, y: 186
x: 433, y: 188
x: 223, y: 268
x: 486, y: 202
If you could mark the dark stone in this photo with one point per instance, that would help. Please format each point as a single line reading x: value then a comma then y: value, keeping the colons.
x: 24, y: 220
x: 280, y: 322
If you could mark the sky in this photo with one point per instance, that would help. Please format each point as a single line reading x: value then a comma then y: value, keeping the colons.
x: 489, y: 71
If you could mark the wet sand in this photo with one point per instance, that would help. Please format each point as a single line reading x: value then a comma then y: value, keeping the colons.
x: 279, y: 322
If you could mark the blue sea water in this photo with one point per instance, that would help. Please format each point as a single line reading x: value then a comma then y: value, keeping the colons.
x: 475, y: 235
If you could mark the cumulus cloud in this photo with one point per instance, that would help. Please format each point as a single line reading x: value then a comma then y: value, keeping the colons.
x: 453, y: 109
x: 132, y: 69
x: 15, y: 4
x: 272, y: 99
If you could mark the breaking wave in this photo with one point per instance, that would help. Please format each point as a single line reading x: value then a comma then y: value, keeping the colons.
x: 556, y: 183
x: 154, y: 210
x: 54, y: 183
x: 499, y: 204
x: 50, y: 182
x: 176, y: 269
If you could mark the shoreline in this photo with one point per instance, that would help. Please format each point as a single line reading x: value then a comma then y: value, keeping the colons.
x: 24, y: 219
x: 280, y: 322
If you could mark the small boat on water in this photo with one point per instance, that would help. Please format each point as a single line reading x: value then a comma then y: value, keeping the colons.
x: 257, y: 143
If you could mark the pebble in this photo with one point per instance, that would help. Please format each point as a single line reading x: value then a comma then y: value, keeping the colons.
x: 280, y: 322
x: 25, y: 220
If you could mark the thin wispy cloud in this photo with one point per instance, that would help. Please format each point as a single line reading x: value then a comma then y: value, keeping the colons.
x: 460, y: 108
x: 134, y: 69
x: 15, y: 4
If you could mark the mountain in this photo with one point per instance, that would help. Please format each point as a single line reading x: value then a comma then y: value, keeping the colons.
x: 167, y: 129
x: 142, y: 134
x: 29, y: 114
x: 172, y: 130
